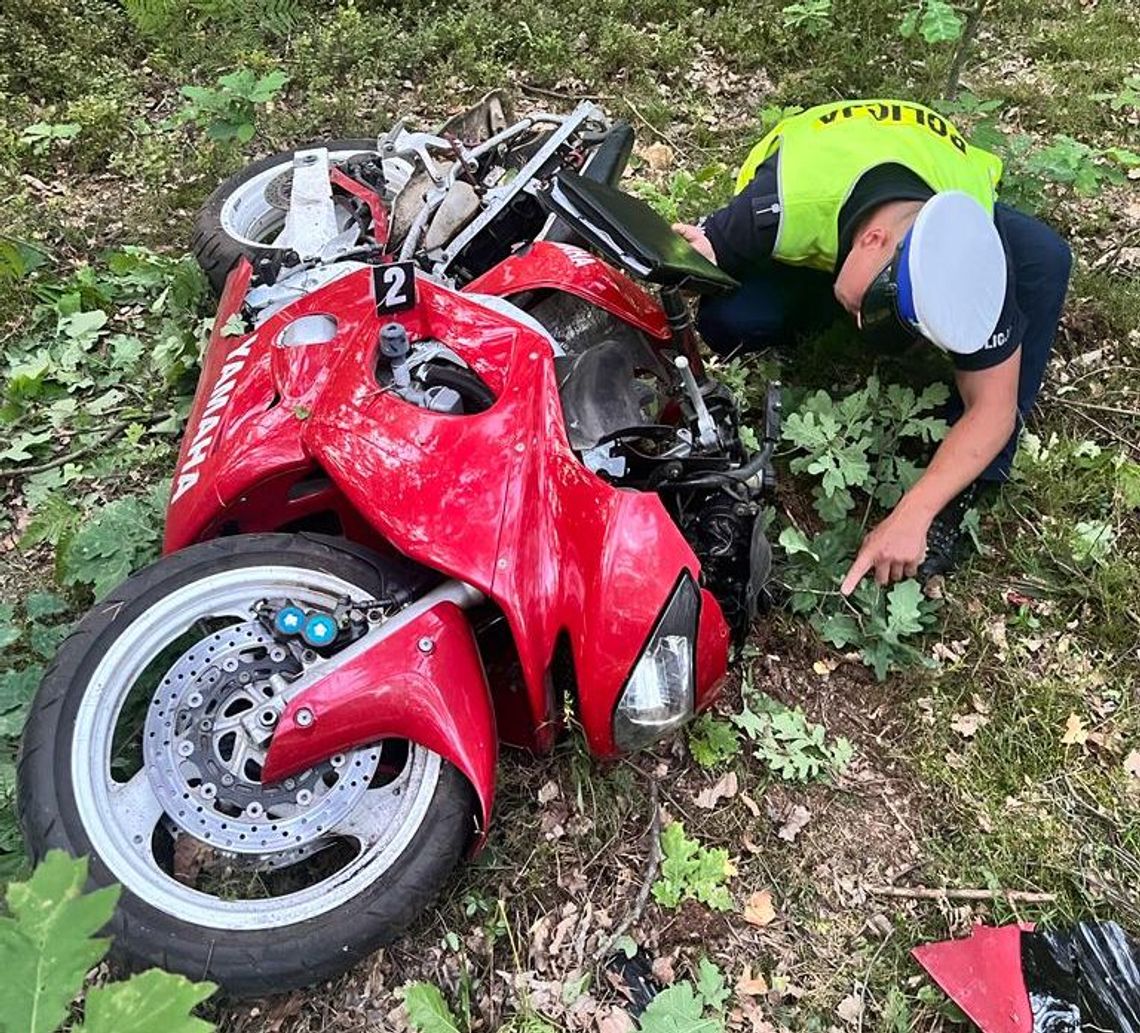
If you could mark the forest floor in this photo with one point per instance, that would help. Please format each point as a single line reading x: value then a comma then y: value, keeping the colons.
x: 1009, y: 762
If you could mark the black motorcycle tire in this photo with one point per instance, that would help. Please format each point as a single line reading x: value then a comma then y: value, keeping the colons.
x: 242, y: 962
x: 215, y: 251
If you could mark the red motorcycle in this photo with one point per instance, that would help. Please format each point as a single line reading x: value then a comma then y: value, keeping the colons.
x: 448, y: 475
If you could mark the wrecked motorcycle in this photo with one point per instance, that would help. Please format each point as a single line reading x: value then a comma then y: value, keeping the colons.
x: 451, y: 474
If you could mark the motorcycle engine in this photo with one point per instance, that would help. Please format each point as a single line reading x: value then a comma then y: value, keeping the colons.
x: 736, y: 559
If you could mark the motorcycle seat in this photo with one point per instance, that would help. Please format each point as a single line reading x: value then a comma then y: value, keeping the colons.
x: 628, y: 231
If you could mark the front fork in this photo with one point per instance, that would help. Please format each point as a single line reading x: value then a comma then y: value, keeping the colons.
x: 418, y: 676
x: 680, y: 320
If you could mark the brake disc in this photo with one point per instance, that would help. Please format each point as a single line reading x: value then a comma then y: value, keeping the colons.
x: 279, y: 190
x: 206, y: 734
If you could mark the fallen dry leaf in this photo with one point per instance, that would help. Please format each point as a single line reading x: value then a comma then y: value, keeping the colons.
x: 967, y: 725
x: 551, y: 826
x: 880, y: 924
x: 1132, y: 764
x: 1106, y: 742
x: 751, y: 1012
x: 282, y: 1010
x: 749, y: 985
x: 751, y: 804
x: 190, y: 857
x: 659, y: 156
x: 549, y: 792
x: 1103, y: 707
x: 941, y: 651
x: 794, y: 824
x: 997, y: 632
x: 662, y: 969
x: 934, y: 587
x: 563, y: 928
x: 616, y: 1020
x: 759, y: 910
x: 724, y: 789
x: 1076, y: 734
x: 850, y: 1008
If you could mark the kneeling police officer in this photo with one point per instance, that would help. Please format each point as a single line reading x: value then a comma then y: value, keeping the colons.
x: 883, y: 207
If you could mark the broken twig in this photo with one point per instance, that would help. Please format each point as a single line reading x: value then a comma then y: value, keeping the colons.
x: 542, y: 91
x: 67, y: 457
x: 937, y: 893
x: 652, y: 861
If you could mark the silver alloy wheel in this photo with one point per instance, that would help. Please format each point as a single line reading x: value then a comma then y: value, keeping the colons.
x: 253, y: 216
x: 119, y: 818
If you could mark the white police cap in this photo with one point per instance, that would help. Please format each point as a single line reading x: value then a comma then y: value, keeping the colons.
x: 952, y: 273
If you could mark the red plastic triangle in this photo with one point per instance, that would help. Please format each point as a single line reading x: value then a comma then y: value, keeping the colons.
x: 982, y: 975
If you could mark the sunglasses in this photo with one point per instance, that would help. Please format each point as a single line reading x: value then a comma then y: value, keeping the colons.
x: 881, y: 323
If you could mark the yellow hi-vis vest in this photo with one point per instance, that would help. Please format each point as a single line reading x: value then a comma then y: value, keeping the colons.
x: 823, y: 152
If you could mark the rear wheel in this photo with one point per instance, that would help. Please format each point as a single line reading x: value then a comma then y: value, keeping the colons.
x: 143, y: 750
x: 245, y: 215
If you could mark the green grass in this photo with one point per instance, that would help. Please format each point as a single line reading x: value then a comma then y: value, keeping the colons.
x: 1010, y: 806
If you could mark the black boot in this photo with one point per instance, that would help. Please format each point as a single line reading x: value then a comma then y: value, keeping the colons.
x: 946, y: 540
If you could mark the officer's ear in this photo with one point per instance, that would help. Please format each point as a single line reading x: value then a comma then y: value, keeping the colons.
x: 873, y: 237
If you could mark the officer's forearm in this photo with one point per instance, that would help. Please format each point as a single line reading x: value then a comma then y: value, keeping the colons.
x: 743, y: 232
x: 968, y: 448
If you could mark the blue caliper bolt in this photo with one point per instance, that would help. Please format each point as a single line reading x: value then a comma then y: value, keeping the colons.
x: 290, y: 620
x: 320, y: 629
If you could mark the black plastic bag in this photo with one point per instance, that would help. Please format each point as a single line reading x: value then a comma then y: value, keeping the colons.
x: 1082, y: 980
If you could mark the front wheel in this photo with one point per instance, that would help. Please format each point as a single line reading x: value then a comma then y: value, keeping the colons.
x: 143, y: 750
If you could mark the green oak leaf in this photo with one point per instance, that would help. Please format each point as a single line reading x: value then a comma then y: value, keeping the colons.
x: 146, y: 1003
x: 904, y: 608
x: 46, y: 945
x: 118, y: 539
x: 9, y: 632
x: 1128, y: 483
x: 839, y: 629
x: 44, y: 639
x: 940, y: 23
x: 16, y: 691
x: 712, y: 742
x: 38, y: 605
x: 678, y: 1009
x: 427, y: 1010
x: 879, y: 655
x: 794, y: 540
x: 1124, y: 156
x: 711, y: 985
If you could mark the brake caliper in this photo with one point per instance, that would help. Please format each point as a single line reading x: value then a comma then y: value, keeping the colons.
x: 289, y: 622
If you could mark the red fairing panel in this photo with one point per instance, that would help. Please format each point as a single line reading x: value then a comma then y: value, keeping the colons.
x: 500, y: 501
x: 563, y: 267
x: 244, y: 433
x: 243, y: 428
x: 497, y: 499
x: 438, y: 699
x: 983, y: 975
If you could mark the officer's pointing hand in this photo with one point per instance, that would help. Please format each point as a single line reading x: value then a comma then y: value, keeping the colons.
x: 696, y: 237
x: 893, y: 550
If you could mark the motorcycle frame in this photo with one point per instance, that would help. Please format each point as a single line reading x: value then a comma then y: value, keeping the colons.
x: 281, y: 434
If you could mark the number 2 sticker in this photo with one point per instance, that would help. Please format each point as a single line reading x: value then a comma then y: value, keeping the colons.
x: 395, y: 286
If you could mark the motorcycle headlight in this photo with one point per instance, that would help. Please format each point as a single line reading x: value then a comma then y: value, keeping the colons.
x: 660, y: 691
